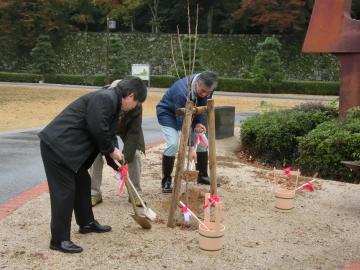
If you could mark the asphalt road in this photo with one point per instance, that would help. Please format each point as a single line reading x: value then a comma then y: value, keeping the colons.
x: 21, y: 166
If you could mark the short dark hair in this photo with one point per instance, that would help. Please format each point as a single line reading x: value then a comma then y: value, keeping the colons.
x: 133, y: 85
x: 209, y: 78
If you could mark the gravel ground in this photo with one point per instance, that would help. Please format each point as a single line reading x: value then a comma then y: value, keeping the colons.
x: 321, y: 232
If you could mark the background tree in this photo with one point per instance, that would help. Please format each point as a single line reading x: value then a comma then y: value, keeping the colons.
x: 127, y: 11
x: 21, y: 22
x: 188, y: 44
x: 118, y: 60
x: 155, y: 19
x: 276, y: 16
x: 267, y: 66
x: 43, y: 56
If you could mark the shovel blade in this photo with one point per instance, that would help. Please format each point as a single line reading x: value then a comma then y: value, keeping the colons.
x: 150, y: 214
x: 142, y: 221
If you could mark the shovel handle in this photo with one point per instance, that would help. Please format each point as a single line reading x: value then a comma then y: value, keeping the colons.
x: 202, y: 223
x: 131, y: 195
x: 137, y: 194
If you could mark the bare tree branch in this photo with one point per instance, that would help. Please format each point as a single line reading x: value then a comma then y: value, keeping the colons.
x: 173, y: 57
x: 196, y: 37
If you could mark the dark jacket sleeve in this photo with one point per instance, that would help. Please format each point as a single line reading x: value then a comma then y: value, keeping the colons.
x: 100, y: 117
x: 131, y: 135
x: 179, y: 102
x: 201, y: 117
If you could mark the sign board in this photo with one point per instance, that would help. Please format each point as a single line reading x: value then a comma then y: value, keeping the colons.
x: 141, y: 70
x: 112, y: 24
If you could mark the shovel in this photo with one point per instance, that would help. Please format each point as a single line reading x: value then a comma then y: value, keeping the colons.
x: 140, y: 219
x: 148, y: 212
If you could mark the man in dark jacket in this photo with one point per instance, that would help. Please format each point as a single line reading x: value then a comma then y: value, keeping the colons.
x: 131, y: 134
x: 69, y: 145
x: 202, y: 86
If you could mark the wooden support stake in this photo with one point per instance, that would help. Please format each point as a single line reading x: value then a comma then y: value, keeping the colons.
x: 195, y: 110
x: 180, y: 162
x: 212, y: 145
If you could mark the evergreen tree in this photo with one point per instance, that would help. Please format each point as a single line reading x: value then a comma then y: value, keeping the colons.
x: 118, y: 60
x: 268, y: 67
x: 188, y: 45
x: 43, y: 56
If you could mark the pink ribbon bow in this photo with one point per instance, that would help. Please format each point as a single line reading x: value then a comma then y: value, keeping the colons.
x: 308, y: 185
x: 202, y: 140
x: 123, y: 175
x: 186, y: 213
x: 213, y: 199
x: 287, y: 171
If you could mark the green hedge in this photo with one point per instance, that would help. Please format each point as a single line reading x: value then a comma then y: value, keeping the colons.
x: 162, y: 81
x: 19, y: 77
x: 165, y: 81
x: 323, y: 149
x: 273, y: 137
x: 285, y: 87
x: 97, y: 80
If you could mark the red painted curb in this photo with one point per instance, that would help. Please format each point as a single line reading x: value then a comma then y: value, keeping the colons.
x: 14, y: 203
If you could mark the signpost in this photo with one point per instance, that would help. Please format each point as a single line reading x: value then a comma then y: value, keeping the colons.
x: 142, y: 71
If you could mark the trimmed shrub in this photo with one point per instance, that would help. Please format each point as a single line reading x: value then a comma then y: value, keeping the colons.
x: 162, y: 81
x: 97, y: 80
x: 165, y: 81
x: 43, y: 56
x: 119, y: 65
x: 19, y: 77
x: 267, y: 67
x: 285, y: 87
x: 273, y: 137
x: 323, y: 149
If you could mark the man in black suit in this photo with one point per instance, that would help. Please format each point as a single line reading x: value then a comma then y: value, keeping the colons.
x: 69, y: 145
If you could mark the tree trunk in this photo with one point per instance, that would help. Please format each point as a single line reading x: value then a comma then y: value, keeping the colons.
x: 132, y: 24
x: 209, y: 20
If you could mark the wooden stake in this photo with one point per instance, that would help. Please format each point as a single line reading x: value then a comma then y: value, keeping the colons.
x: 212, y: 145
x: 180, y: 163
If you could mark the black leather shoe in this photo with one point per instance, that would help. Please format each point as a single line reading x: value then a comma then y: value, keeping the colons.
x: 94, y: 226
x: 203, y: 180
x: 65, y: 246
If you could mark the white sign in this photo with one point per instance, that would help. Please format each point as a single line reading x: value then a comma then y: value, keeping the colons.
x: 141, y: 70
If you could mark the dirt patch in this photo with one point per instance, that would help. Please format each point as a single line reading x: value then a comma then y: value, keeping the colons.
x: 321, y: 232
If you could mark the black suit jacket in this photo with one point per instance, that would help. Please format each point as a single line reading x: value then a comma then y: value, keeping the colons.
x: 84, y: 128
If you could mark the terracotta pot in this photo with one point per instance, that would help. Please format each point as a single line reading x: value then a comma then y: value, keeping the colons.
x: 284, y: 199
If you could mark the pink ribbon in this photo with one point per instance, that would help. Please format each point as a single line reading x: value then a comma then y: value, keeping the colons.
x: 186, y: 213
x: 213, y: 199
x: 287, y: 171
x: 123, y: 173
x: 202, y: 140
x: 308, y: 185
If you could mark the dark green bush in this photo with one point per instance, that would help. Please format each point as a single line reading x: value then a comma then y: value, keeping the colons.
x: 164, y: 81
x: 273, y: 137
x: 19, y: 77
x: 285, y: 87
x: 323, y: 149
x: 97, y: 80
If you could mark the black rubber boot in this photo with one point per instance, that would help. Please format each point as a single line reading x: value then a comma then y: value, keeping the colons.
x: 167, y: 168
x: 202, y: 166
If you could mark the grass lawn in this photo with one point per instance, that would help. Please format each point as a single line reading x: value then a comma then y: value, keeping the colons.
x: 31, y: 106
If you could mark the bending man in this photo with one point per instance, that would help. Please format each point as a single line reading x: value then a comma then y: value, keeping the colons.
x: 69, y: 145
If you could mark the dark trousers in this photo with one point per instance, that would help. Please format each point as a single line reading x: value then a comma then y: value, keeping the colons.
x: 69, y: 191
